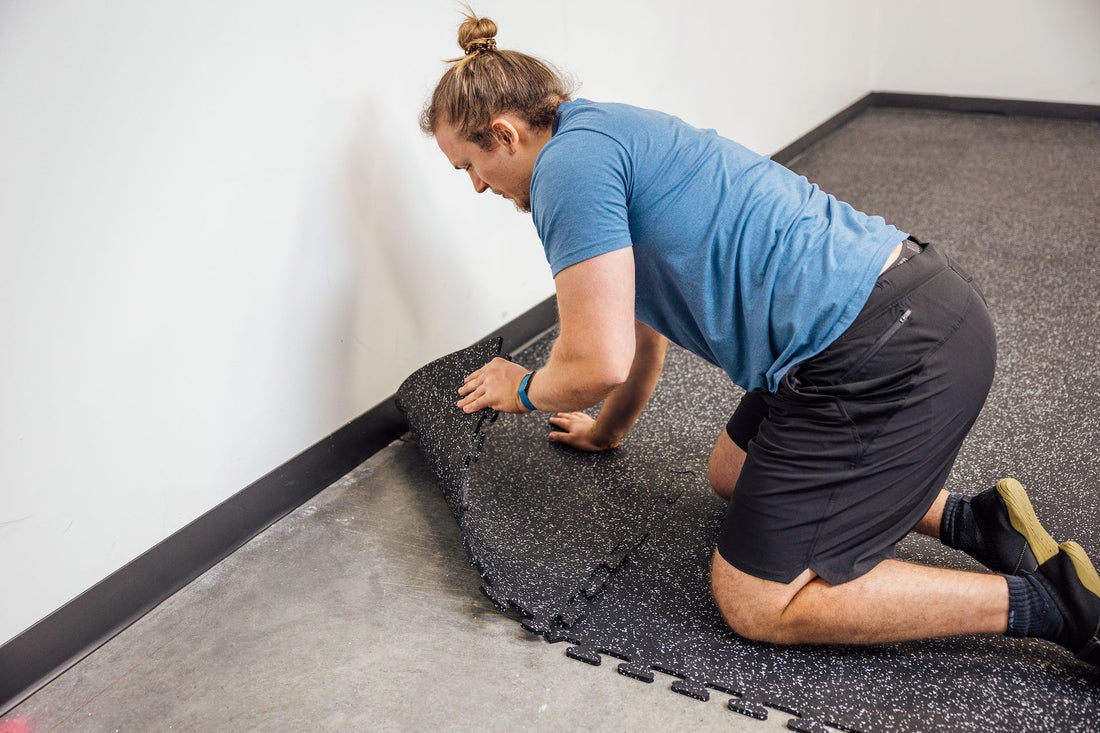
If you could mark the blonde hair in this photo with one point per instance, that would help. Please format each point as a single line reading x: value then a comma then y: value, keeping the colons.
x: 487, y: 81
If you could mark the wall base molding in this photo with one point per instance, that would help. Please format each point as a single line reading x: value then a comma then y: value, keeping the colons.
x: 937, y: 102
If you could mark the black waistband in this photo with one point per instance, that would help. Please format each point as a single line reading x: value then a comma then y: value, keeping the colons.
x: 910, y: 248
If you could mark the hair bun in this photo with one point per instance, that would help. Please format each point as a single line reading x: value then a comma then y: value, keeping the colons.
x: 477, y: 34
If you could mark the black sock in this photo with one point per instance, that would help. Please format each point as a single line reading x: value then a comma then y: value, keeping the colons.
x: 959, y: 530
x: 1031, y: 610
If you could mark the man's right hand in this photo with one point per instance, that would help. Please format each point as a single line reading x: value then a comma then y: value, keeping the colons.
x: 494, y: 385
x: 578, y: 430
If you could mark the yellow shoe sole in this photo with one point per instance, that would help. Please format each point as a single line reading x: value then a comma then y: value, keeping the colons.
x: 1086, y: 573
x: 1022, y: 517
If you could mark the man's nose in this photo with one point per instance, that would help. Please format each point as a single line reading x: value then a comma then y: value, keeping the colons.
x: 479, y: 185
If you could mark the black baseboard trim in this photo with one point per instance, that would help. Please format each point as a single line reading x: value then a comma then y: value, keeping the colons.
x: 826, y: 128
x: 533, y: 323
x: 78, y: 628
x: 986, y: 105
x: 42, y: 652
x: 937, y: 102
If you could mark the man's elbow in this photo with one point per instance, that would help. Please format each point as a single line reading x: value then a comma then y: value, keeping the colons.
x: 613, y: 372
x: 609, y: 379
x: 596, y: 372
x: 601, y: 376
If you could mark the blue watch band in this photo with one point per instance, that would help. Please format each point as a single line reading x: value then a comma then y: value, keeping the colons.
x: 523, y: 385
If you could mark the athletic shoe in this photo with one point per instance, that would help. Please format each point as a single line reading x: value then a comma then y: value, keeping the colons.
x: 1072, y: 582
x: 1014, y: 541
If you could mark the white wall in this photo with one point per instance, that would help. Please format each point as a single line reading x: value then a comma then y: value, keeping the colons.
x: 1015, y: 49
x: 222, y: 235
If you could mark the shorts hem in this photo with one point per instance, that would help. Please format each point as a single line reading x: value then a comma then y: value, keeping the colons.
x: 761, y: 573
x: 830, y: 576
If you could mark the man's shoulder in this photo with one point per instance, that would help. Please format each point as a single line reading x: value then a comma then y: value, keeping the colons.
x: 583, y: 143
x: 608, y: 117
x: 597, y: 132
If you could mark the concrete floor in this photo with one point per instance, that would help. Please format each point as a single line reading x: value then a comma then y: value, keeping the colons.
x: 358, y: 611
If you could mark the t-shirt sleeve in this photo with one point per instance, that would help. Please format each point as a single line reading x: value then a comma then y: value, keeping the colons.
x: 580, y: 192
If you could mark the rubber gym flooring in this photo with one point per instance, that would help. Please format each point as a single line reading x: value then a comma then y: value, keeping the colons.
x: 609, y: 553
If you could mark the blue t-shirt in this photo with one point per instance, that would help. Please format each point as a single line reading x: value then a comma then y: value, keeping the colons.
x: 737, y: 258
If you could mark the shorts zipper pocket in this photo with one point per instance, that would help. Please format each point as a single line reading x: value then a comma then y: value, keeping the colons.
x: 881, y: 341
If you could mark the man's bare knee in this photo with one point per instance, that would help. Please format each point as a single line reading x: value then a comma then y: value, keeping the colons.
x: 726, y: 461
x: 746, y: 618
x: 750, y: 624
x: 721, y: 484
x: 753, y: 607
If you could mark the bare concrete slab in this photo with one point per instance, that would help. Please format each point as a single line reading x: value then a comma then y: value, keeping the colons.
x: 358, y: 611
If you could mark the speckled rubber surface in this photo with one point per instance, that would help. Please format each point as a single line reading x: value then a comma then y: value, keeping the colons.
x: 451, y: 438
x: 611, y: 552
x: 534, y: 558
x: 547, y: 526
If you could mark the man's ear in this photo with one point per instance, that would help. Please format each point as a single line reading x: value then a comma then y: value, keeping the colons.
x: 506, y: 133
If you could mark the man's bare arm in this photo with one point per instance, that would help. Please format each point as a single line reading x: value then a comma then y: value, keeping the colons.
x: 594, y: 352
x: 623, y: 406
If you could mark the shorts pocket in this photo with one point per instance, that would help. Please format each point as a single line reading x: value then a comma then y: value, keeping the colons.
x: 878, y: 344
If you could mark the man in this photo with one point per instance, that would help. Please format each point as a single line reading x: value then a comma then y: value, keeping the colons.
x: 866, y: 354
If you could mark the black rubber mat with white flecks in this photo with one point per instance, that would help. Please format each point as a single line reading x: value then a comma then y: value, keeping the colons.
x: 611, y: 552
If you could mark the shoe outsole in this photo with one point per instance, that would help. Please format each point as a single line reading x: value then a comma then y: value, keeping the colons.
x: 1086, y: 573
x: 1023, y: 519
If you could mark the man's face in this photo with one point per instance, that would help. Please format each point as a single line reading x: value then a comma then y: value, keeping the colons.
x: 505, y: 170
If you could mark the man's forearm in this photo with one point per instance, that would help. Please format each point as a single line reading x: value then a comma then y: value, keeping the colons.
x: 623, y: 406
x: 565, y: 385
x: 567, y: 382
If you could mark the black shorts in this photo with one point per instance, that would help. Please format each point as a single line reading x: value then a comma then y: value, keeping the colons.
x: 850, y: 452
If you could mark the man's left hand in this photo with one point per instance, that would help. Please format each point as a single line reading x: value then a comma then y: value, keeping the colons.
x: 580, y: 431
